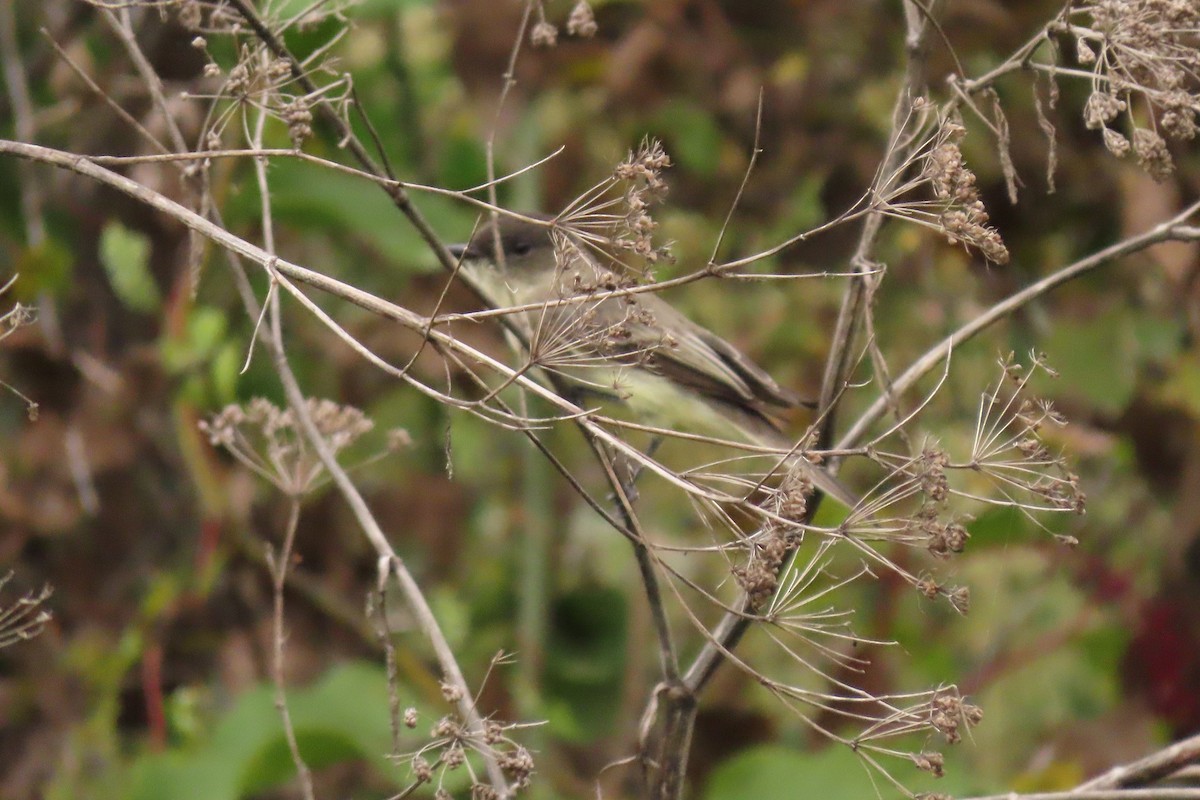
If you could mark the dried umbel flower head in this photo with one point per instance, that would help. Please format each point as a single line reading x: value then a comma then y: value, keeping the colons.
x: 1152, y: 154
x: 23, y: 619
x: 453, y: 741
x: 793, y: 494
x: 1101, y: 109
x: 942, y: 538
x: 269, y: 441
x: 1116, y: 144
x: 296, y: 115
x: 759, y: 576
x: 933, y: 763
x: 582, y: 22
x: 482, y: 791
x: 1140, y: 49
x: 614, y: 216
x: 517, y: 763
x: 451, y: 692
x: 963, y: 217
x: 422, y: 772
x: 1179, y: 118
x: 931, y: 472
x: 1009, y: 448
x: 543, y: 34
x: 949, y: 713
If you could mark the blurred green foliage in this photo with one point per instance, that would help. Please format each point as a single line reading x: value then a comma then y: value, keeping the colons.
x: 245, y: 754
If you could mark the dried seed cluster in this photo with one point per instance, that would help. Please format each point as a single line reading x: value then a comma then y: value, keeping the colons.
x: 270, y: 441
x: 259, y: 80
x: 963, y: 216
x: 580, y: 23
x: 449, y: 746
x: 759, y: 576
x: 1140, y: 49
x: 643, y: 171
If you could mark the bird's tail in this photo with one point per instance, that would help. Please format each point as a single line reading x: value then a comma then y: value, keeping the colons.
x: 823, y: 480
x: 827, y: 483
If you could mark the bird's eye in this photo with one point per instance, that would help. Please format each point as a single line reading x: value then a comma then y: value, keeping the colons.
x: 521, y: 248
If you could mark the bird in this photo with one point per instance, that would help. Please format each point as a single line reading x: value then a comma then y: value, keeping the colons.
x: 635, y: 348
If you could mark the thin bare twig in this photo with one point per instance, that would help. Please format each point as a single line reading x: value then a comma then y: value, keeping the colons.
x: 1152, y: 768
x: 279, y: 561
x: 1174, y: 229
x: 1102, y: 794
x: 277, y: 564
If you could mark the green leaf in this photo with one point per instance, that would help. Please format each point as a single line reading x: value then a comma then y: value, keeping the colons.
x: 462, y: 162
x: 691, y: 137
x: 1182, y: 387
x: 343, y: 205
x: 126, y: 258
x: 1096, y: 359
x: 44, y: 268
x: 585, y: 661
x: 226, y: 367
x: 774, y: 772
x: 366, y: 9
x: 182, y: 776
x: 203, y: 334
x: 341, y: 717
x: 1002, y: 526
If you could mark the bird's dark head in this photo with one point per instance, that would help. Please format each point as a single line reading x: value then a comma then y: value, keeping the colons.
x: 524, y: 245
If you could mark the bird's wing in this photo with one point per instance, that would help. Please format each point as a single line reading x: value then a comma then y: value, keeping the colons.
x: 695, y: 357
x: 761, y: 384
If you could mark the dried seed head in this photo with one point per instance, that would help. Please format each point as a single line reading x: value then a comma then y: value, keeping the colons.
x: 1102, y: 108
x: 451, y: 692
x: 278, y: 69
x: 190, y: 14
x: 1084, y: 53
x: 543, y: 34
x: 582, y: 21
x: 519, y: 764
x: 454, y: 757
x: 1117, y: 144
x: 759, y: 577
x: 948, y: 712
x: 296, y: 114
x: 1179, y: 123
x: 421, y: 770
x: 1146, y: 50
x: 482, y: 791
x: 960, y: 599
x: 1152, y: 154
x: 932, y: 474
x: 446, y: 728
x: 963, y: 217
x: 932, y: 762
x: 493, y: 732
x: 793, y: 494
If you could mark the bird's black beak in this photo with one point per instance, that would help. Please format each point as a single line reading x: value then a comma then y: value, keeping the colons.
x: 457, y: 250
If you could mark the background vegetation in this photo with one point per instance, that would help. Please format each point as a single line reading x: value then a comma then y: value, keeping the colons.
x: 153, y: 678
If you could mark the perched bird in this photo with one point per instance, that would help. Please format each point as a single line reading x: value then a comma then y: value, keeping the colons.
x: 669, y: 371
